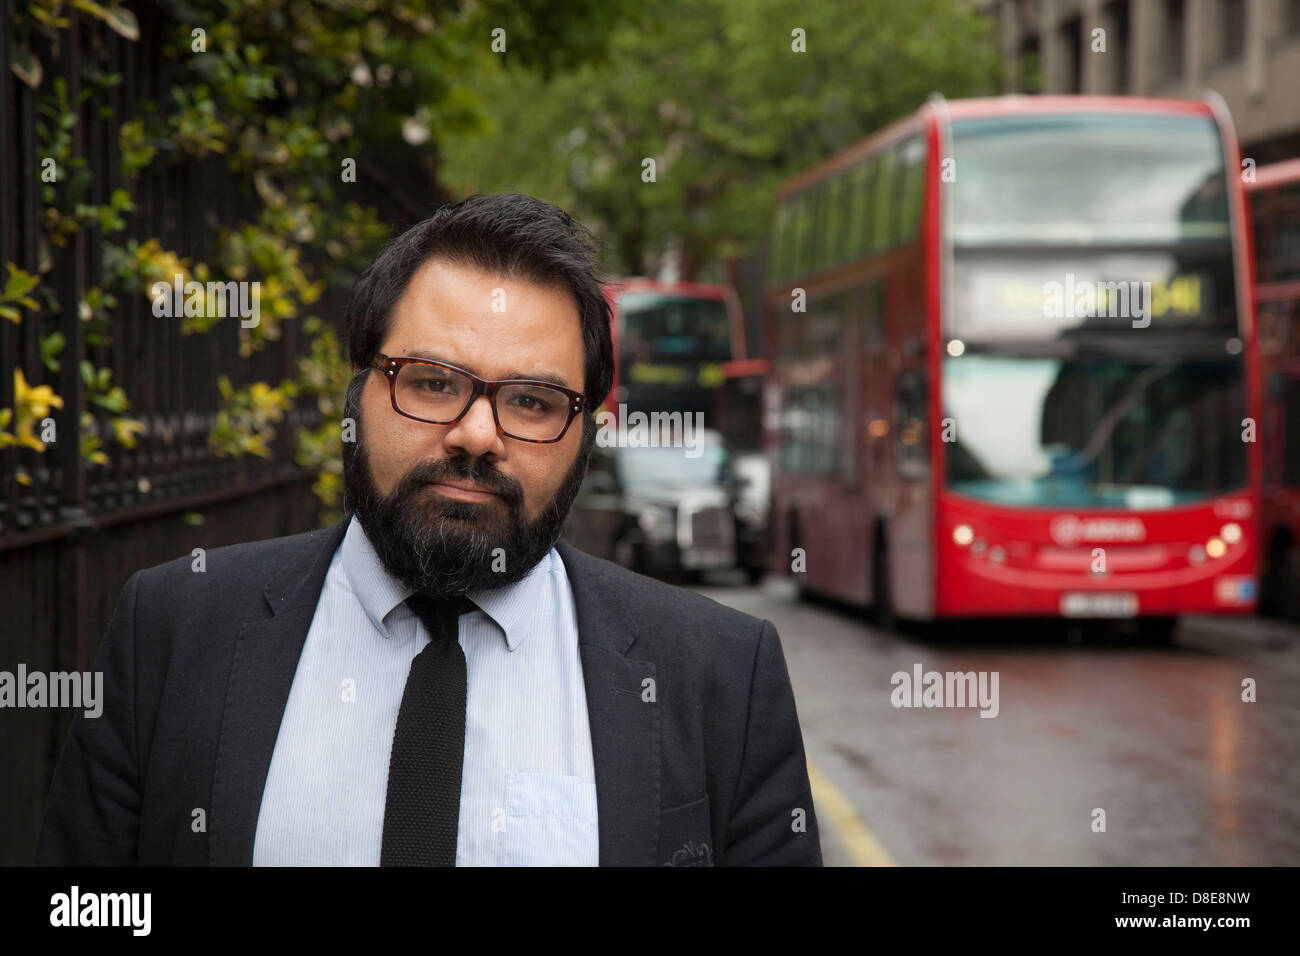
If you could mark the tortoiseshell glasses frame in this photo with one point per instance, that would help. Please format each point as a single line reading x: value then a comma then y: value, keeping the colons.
x: 392, y: 366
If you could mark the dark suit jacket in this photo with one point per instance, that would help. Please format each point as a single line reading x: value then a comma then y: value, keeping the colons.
x: 197, y: 670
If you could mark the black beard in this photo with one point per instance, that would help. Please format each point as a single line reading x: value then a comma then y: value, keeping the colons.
x: 440, y: 547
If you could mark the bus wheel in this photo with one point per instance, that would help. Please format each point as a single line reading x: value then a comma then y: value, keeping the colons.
x: 1157, y: 630
x: 882, y: 600
x: 1281, y: 586
x: 1291, y: 583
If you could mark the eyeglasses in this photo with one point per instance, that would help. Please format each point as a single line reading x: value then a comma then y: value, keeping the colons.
x: 441, y: 395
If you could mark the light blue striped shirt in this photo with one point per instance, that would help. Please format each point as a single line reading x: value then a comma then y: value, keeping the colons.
x: 528, y: 790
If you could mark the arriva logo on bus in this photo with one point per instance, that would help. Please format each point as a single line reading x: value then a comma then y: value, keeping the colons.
x: 1068, y: 530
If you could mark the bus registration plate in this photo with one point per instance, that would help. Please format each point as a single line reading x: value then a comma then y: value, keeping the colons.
x: 1077, y: 604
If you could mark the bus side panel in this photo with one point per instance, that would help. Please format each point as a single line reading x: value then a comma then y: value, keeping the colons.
x: 911, y: 530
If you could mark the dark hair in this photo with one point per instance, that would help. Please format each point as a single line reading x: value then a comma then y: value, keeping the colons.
x: 512, y: 234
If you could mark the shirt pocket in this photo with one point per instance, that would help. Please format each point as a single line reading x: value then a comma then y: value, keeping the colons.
x: 550, y: 821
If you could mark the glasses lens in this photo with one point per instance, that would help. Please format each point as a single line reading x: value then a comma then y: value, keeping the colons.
x: 432, y: 393
x: 536, y: 412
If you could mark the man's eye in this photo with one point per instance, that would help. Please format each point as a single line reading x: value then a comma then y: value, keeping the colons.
x: 532, y: 403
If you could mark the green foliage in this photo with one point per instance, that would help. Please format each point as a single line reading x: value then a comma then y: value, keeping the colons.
x: 137, y: 152
x: 282, y: 92
x: 51, y: 346
x: 95, y: 311
x: 272, y: 256
x: 248, y: 416
x: 17, y: 286
x: 714, y: 93
x: 45, y: 19
x: 102, y: 394
x: 324, y: 375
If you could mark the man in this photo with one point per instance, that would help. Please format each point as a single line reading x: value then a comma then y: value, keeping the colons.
x: 439, y: 679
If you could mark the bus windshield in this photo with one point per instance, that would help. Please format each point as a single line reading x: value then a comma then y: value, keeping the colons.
x: 1076, y: 224
x: 1093, y: 432
x: 666, y: 326
x: 1088, y: 178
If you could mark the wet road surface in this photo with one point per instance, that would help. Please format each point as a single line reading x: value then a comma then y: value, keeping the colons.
x: 1157, y: 738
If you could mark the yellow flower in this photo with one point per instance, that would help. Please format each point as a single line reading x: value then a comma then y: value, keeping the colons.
x: 37, y: 400
x: 126, y: 429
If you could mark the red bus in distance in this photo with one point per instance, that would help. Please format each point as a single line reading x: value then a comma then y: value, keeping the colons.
x: 675, y: 344
x: 1014, y: 367
x: 1275, y: 212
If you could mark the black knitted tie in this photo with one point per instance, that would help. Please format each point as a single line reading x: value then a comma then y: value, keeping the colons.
x: 422, y: 812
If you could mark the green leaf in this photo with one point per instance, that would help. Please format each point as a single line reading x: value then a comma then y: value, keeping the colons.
x: 19, y: 282
x: 77, y: 188
x: 26, y: 67
x: 52, y: 345
x: 115, y: 401
x: 119, y: 19
x: 122, y: 22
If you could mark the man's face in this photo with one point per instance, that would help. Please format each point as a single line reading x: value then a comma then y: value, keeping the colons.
x: 438, y: 501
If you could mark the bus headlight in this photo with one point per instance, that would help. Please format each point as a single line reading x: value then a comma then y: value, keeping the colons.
x: 1230, y: 532
x: 1215, y: 548
x: 963, y: 535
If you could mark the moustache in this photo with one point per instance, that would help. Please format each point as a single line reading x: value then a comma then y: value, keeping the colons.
x: 463, y: 468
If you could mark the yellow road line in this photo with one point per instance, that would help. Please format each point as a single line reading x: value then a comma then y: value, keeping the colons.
x: 849, y: 827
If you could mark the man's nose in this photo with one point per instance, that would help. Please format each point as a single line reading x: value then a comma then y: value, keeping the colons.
x: 476, y: 432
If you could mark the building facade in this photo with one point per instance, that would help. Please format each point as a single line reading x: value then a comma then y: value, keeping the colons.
x: 1246, y: 50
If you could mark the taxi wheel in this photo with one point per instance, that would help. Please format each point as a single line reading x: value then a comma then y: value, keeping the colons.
x: 630, y: 555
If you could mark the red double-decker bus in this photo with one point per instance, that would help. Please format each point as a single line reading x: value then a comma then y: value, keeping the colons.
x: 1275, y: 211
x: 1014, y: 368
x: 678, y: 346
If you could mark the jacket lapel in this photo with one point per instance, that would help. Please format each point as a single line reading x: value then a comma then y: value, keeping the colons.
x: 261, y: 674
x: 623, y: 713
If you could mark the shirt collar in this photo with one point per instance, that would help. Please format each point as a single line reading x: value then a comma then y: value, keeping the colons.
x: 514, y: 608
